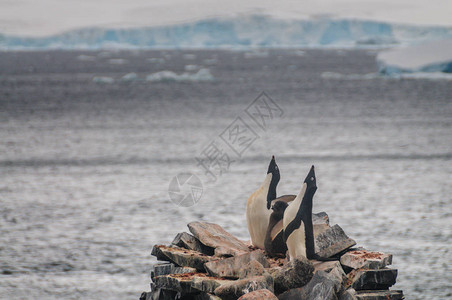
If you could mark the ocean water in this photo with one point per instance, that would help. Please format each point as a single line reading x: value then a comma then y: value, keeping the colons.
x: 85, y: 163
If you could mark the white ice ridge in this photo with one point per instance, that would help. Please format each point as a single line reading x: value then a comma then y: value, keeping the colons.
x: 203, y: 75
x: 253, y: 31
x: 49, y: 17
x: 434, y: 56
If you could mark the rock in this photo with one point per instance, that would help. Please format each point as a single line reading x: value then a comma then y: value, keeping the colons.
x: 366, y: 279
x: 332, y: 241
x: 357, y: 259
x: 320, y: 218
x: 215, y: 236
x: 237, y: 288
x: 348, y: 294
x: 169, y: 268
x: 161, y: 294
x: 230, y: 267
x: 206, y: 296
x: 187, y: 241
x: 294, y: 274
x: 333, y: 268
x: 146, y: 296
x: 321, y: 223
x: 253, y: 268
x: 188, y: 283
x: 380, y: 295
x: 181, y: 257
x: 322, y: 286
x: 259, y: 295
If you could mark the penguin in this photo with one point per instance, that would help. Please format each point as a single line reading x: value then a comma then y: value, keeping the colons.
x: 297, y: 222
x: 274, y: 240
x: 259, y: 203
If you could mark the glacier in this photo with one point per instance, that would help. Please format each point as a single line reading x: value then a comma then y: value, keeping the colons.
x: 254, y: 31
x: 434, y: 56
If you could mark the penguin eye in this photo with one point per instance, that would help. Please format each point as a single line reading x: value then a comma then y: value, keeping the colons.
x: 312, y: 178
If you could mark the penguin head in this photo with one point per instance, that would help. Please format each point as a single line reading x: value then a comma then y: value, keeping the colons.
x: 278, y: 209
x: 274, y: 170
x: 310, y: 180
x: 279, y: 206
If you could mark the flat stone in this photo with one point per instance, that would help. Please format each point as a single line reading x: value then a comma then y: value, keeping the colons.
x: 146, y: 296
x: 321, y: 287
x: 187, y: 241
x: 234, y: 289
x: 380, y: 295
x: 259, y: 295
x: 181, y: 257
x: 357, y: 259
x: 334, y: 269
x: 169, y: 268
x: 206, y: 296
x: 332, y: 241
x: 188, y: 283
x: 320, y: 218
x: 215, y: 236
x: 253, y: 268
x: 367, y: 279
x: 348, y: 294
x: 293, y: 274
x: 161, y: 294
x: 230, y: 267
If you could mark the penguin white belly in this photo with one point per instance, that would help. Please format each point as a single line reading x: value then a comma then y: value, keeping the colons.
x: 257, y: 216
x: 296, y: 243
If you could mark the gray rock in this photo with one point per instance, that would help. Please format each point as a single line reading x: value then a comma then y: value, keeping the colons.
x: 357, y: 259
x: 320, y: 218
x: 253, y: 268
x: 146, y: 296
x: 334, y: 269
x: 349, y: 294
x: 188, y: 283
x: 332, y: 241
x: 294, y: 274
x: 230, y: 267
x: 366, y: 279
x: 181, y: 257
x: 169, y: 268
x: 206, y: 296
x: 215, y: 236
x: 380, y: 295
x: 187, y: 241
x: 259, y: 295
x: 321, y: 287
x: 235, y: 289
x: 161, y: 294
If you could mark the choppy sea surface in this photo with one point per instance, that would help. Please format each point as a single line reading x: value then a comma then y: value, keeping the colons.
x: 86, y: 157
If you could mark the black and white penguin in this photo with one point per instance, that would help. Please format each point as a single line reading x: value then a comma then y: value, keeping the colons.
x: 274, y: 239
x: 297, y: 222
x: 259, y: 203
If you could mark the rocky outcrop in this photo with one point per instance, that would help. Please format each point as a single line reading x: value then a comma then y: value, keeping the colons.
x: 294, y: 274
x: 231, y: 267
x: 259, y: 295
x: 235, y: 289
x: 332, y: 241
x: 213, y: 235
x: 213, y: 264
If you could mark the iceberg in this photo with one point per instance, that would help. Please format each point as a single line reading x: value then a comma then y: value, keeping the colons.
x: 435, y: 56
x: 203, y: 75
x: 252, y: 31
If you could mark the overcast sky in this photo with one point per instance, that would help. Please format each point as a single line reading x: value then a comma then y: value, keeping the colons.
x: 46, y: 17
